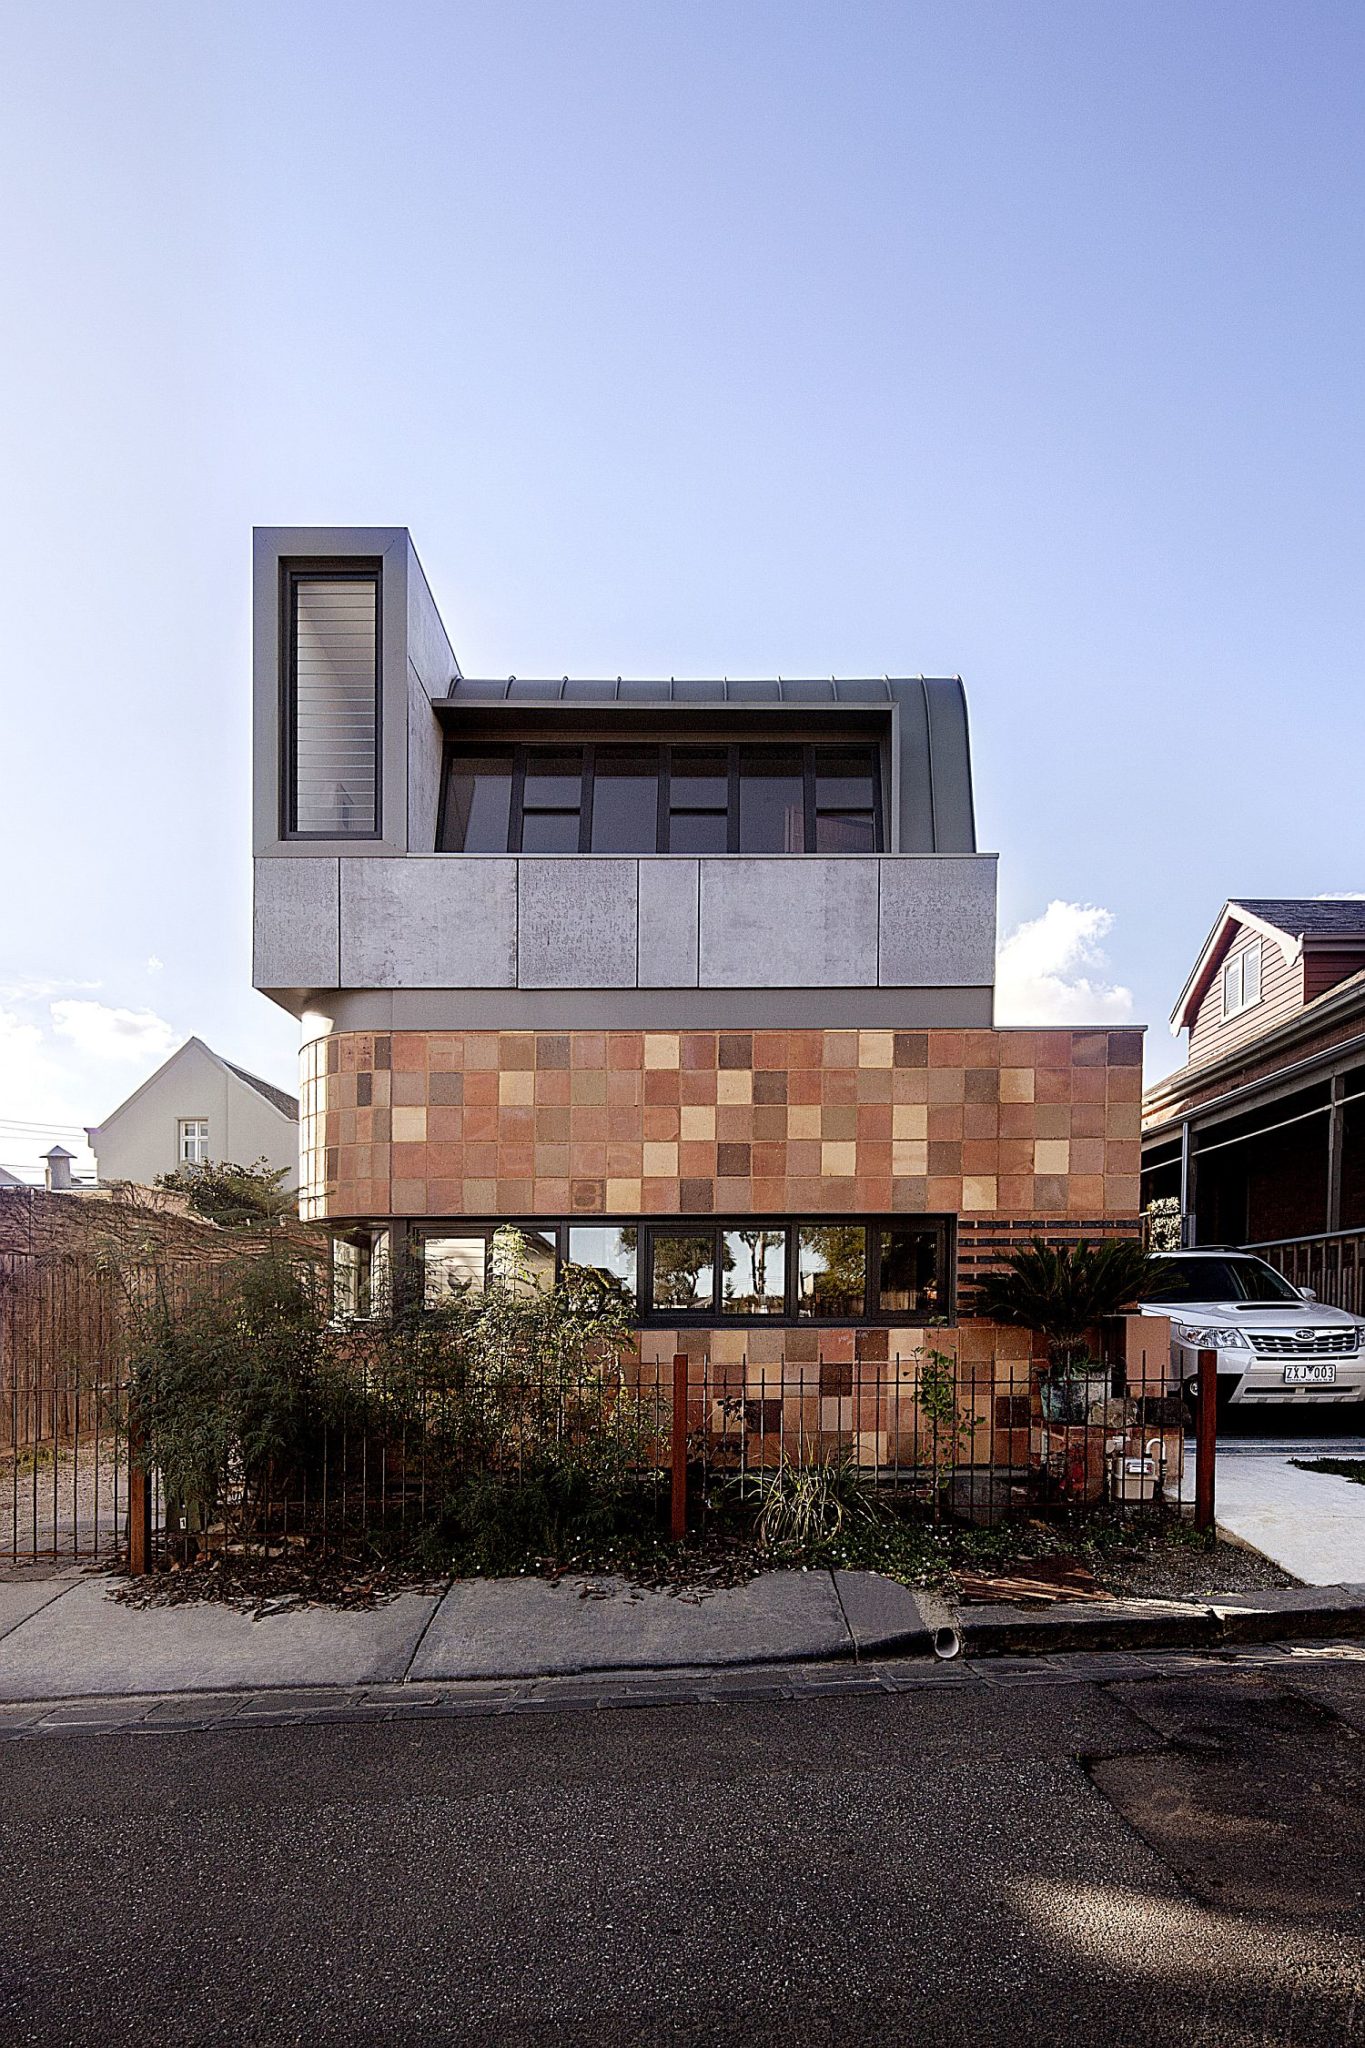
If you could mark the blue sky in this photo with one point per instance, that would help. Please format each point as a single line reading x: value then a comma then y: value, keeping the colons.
x: 1020, y: 341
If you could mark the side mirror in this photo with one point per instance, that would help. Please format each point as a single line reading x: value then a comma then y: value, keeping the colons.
x: 1308, y: 1294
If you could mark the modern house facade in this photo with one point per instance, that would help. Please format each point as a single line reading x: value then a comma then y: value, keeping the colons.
x: 1260, y: 1136
x: 692, y: 980
x: 196, y: 1108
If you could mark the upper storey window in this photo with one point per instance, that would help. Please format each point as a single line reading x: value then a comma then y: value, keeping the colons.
x: 1242, y: 981
x: 333, y: 705
x: 662, y: 799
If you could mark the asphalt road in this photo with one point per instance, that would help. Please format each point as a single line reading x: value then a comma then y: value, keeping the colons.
x: 1171, y: 1860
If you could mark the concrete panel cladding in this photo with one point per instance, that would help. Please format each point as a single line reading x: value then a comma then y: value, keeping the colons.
x: 668, y: 923
x: 778, y: 923
x: 576, y: 923
x: 937, y: 922
x: 296, y: 924
x: 425, y: 922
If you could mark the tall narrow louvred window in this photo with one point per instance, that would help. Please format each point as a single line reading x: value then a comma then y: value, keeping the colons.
x: 334, y: 706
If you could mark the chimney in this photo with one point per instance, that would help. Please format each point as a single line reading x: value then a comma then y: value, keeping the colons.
x: 58, y: 1164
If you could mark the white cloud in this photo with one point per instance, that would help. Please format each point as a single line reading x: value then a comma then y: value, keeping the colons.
x: 104, y: 1033
x: 154, y: 966
x: 1050, y: 970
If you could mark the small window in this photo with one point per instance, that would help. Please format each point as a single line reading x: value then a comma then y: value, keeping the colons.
x: 845, y: 800
x: 452, y: 1266
x: 698, y: 800
x: 910, y: 1281
x: 607, y: 1252
x: 552, y: 800
x: 334, y: 706
x: 772, y: 800
x: 524, y: 1259
x: 754, y: 1271
x: 360, y: 1275
x: 684, y: 1275
x: 194, y: 1141
x: 1242, y: 980
x: 831, y: 1270
x: 625, y: 800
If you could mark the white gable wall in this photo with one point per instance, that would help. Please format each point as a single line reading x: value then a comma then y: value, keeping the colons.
x: 142, y: 1139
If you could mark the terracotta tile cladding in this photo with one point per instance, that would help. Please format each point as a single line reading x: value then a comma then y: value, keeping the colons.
x: 1020, y: 1125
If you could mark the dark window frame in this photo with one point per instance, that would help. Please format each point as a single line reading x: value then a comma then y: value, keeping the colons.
x: 943, y: 1226
x: 588, y: 751
x: 292, y: 573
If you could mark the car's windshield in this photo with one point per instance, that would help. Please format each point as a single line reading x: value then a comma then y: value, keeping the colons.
x: 1220, y: 1279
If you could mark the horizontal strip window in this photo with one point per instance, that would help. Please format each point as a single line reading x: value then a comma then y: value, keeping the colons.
x: 752, y: 798
x: 332, y: 703
x: 671, y: 1271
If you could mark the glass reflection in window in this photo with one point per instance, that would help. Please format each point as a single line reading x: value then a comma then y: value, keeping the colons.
x: 451, y: 1266
x: 684, y: 1270
x: 753, y: 1272
x: 772, y: 800
x: 625, y: 801
x: 831, y: 1271
x: 608, y: 1252
x: 910, y: 1279
x: 478, y: 803
x: 524, y: 1260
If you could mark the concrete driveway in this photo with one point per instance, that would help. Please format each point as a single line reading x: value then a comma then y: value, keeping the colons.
x: 1311, y: 1523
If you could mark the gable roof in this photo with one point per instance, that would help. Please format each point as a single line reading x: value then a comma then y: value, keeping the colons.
x: 286, y: 1105
x: 1286, y: 920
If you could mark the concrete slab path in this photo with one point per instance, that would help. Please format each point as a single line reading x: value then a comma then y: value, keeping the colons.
x: 1309, y: 1523
x: 83, y: 1643
x: 65, y: 1638
x: 491, y: 1628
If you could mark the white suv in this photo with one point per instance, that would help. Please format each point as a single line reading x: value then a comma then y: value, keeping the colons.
x: 1274, y: 1342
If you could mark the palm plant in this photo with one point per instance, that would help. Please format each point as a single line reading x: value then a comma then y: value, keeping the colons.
x: 1063, y: 1291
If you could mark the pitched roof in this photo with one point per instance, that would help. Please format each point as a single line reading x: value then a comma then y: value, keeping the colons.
x: 1309, y: 916
x: 1287, y: 920
x: 288, y: 1105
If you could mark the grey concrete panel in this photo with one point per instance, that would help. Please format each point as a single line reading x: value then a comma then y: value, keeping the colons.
x: 512, y: 1628
x: 937, y: 922
x: 426, y: 748
x: 85, y: 1643
x: 426, y: 922
x: 668, y: 923
x: 784, y: 923
x: 296, y: 924
x: 576, y: 922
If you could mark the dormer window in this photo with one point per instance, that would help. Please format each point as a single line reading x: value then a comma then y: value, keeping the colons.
x: 1242, y: 980
x: 332, y: 689
x: 751, y: 798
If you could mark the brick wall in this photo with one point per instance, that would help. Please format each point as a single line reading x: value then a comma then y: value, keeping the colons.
x: 1021, y: 1128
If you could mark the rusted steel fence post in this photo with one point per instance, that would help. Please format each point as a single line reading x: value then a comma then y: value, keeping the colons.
x: 139, y: 1507
x: 1206, y: 1440
x: 678, y: 1491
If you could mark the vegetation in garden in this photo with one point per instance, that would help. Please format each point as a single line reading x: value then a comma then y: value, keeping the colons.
x: 1064, y: 1291
x: 234, y: 1197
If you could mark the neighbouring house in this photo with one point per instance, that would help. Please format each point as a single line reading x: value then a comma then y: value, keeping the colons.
x: 195, y: 1108
x: 1260, y: 1136
x: 692, y: 980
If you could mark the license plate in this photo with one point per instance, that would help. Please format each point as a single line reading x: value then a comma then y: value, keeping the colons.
x: 1306, y: 1375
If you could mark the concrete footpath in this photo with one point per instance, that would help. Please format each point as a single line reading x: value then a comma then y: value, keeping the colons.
x: 64, y: 1638
x: 1311, y: 1523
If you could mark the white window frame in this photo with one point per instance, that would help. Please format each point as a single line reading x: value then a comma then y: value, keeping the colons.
x: 194, y: 1141
x: 1242, y: 991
